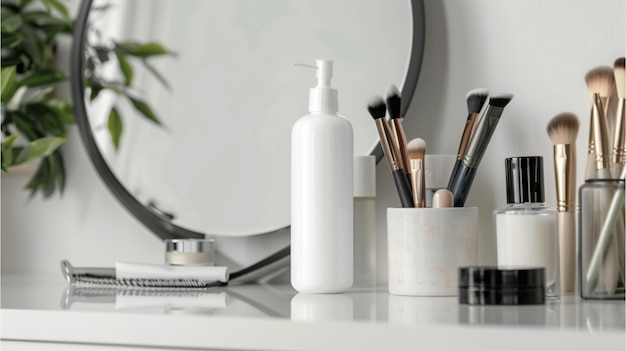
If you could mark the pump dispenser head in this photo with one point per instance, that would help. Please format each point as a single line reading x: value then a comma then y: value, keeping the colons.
x: 322, y: 98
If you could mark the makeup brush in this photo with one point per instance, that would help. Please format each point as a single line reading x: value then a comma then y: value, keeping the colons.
x: 618, y: 153
x: 417, y: 150
x: 475, y: 101
x: 600, y: 81
x: 563, y: 131
x: 394, y: 104
x: 376, y: 108
x: 461, y: 183
x: 601, y: 140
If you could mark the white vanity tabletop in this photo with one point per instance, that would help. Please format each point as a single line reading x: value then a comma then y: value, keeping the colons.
x: 275, y: 317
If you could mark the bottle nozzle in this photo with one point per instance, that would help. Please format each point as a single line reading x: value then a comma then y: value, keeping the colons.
x: 324, y: 71
x: 322, y: 98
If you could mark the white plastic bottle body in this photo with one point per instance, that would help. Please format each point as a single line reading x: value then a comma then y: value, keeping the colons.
x: 322, y: 204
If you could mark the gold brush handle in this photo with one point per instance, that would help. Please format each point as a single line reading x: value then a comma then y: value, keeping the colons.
x: 567, y: 250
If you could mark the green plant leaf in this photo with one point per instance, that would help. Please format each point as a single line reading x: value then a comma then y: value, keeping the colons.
x: 39, y: 148
x: 46, y: 119
x: 24, y: 3
x: 10, y: 40
x: 31, y: 127
x: 43, y: 180
x: 8, y: 9
x: 12, y: 58
x: 59, y: 7
x: 11, y: 24
x: 126, y: 68
x: 63, y: 108
x: 42, y: 18
x: 145, y: 110
x: 23, y: 125
x: 8, y: 83
x: 59, y: 169
x: 142, y: 50
x: 43, y: 77
x: 156, y: 74
x: 115, y: 127
x: 34, y: 46
x: 96, y: 88
x: 38, y: 178
x: 48, y: 23
x: 7, y: 151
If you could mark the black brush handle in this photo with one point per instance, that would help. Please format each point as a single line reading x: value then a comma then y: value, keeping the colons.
x: 454, y: 172
x: 408, y: 182
x: 461, y: 184
x: 406, y: 197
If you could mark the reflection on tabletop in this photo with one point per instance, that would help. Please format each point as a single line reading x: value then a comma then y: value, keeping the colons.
x: 358, y: 304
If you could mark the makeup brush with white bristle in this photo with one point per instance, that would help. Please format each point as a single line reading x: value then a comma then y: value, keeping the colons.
x: 417, y: 150
x: 600, y: 82
x: 475, y: 101
x: 563, y: 131
x: 618, y: 153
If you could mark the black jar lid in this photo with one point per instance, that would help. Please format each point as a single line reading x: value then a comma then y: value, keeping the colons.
x: 524, y: 179
x: 502, y: 285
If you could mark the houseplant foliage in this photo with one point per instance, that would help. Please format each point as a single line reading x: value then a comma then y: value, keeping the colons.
x: 34, y: 121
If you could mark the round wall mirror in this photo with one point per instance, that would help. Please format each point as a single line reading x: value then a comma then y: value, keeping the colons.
x: 218, y: 161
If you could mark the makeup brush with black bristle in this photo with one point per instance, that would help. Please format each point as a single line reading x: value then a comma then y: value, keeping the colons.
x: 417, y: 151
x: 563, y: 131
x: 377, y: 109
x: 394, y: 105
x: 600, y: 82
x: 475, y: 101
x: 461, y: 183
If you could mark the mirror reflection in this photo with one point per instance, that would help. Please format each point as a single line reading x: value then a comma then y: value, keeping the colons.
x: 218, y: 161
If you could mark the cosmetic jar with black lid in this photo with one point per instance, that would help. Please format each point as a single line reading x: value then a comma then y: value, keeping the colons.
x: 501, y: 285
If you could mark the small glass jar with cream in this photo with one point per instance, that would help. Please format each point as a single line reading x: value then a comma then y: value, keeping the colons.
x: 190, y: 252
x: 526, y: 229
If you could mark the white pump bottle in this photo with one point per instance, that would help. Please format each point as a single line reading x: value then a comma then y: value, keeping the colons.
x: 322, y: 193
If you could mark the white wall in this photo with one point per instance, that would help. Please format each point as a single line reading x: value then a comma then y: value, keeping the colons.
x: 538, y: 50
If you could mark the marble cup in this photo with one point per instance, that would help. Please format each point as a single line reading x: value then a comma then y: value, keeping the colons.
x: 427, y: 246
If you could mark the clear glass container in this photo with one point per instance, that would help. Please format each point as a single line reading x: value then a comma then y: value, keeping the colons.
x: 527, y: 235
x: 527, y: 229
x: 601, y: 239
